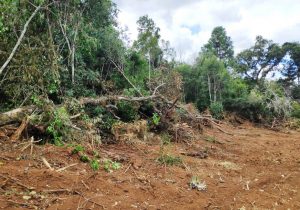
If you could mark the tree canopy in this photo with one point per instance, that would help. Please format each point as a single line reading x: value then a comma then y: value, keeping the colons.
x: 220, y: 44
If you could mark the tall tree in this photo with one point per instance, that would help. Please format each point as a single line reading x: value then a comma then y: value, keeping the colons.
x: 214, y: 75
x: 168, y: 52
x: 293, y: 50
x: 220, y: 44
x: 205, y: 82
x: 147, y: 42
x: 258, y: 61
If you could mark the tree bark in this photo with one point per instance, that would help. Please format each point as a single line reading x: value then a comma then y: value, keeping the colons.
x: 16, y: 115
x: 209, y: 87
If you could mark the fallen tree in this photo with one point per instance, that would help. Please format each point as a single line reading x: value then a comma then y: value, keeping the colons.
x: 18, y: 115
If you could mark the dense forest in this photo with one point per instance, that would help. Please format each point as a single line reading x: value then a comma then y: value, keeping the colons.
x: 70, y: 60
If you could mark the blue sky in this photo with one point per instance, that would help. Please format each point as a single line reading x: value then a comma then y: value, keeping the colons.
x: 187, y: 24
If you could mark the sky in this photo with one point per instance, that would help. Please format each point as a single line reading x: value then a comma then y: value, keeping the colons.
x: 187, y: 24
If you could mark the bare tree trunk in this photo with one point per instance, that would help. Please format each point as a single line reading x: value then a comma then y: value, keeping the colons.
x: 149, y: 67
x: 19, y: 40
x: 215, y: 91
x: 63, y: 30
x: 73, y: 54
x: 209, y: 88
x: 73, y: 63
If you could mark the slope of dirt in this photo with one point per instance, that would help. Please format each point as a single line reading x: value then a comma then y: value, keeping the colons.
x: 253, y: 169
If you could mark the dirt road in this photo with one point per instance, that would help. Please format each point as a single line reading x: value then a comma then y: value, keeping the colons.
x: 253, y: 169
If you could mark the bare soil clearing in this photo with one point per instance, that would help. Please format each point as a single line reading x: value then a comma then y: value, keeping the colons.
x: 253, y: 169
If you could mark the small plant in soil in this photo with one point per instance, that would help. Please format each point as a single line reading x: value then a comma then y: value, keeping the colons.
x: 195, y: 183
x: 155, y: 119
x: 165, y: 139
x: 110, y: 166
x: 77, y: 149
x: 95, y: 164
x: 96, y: 154
x: 211, y: 139
x: 169, y: 160
x: 84, y: 158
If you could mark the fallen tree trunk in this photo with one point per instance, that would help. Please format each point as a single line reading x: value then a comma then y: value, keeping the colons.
x: 16, y: 115
x: 105, y: 99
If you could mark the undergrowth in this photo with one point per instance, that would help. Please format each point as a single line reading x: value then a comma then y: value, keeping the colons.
x: 169, y: 160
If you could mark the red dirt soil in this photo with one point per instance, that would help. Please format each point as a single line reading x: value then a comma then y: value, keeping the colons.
x: 255, y: 168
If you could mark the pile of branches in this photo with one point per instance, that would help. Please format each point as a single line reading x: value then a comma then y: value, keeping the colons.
x: 177, y: 119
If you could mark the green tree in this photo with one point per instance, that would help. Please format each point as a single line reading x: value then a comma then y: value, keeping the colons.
x: 220, y: 44
x: 258, y: 61
x: 214, y: 74
x: 293, y: 49
x: 147, y: 42
x: 206, y: 82
x: 66, y: 42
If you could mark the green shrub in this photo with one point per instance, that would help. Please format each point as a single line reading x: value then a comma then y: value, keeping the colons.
x: 84, y: 158
x: 262, y: 105
x: 95, y: 164
x: 155, y: 119
x: 77, y: 149
x: 296, y: 109
x: 165, y: 139
x: 217, y: 110
x: 110, y: 166
x: 296, y: 92
x: 202, y: 104
x: 169, y: 160
x: 58, y: 125
x: 127, y: 111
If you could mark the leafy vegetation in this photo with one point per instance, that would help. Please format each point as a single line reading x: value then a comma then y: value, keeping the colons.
x: 84, y: 158
x: 73, y: 50
x: 95, y: 165
x: 217, y: 110
x: 169, y: 160
x: 77, y: 149
x: 155, y: 119
x: 110, y: 166
x: 296, y: 110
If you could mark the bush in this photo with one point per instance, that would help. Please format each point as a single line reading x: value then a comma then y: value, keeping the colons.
x: 296, y: 92
x: 59, y: 120
x: 263, y: 104
x: 246, y: 108
x: 169, y: 160
x: 202, y: 103
x: 127, y: 111
x: 296, y: 109
x: 217, y: 110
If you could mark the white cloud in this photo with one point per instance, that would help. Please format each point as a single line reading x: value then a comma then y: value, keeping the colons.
x: 188, y: 24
